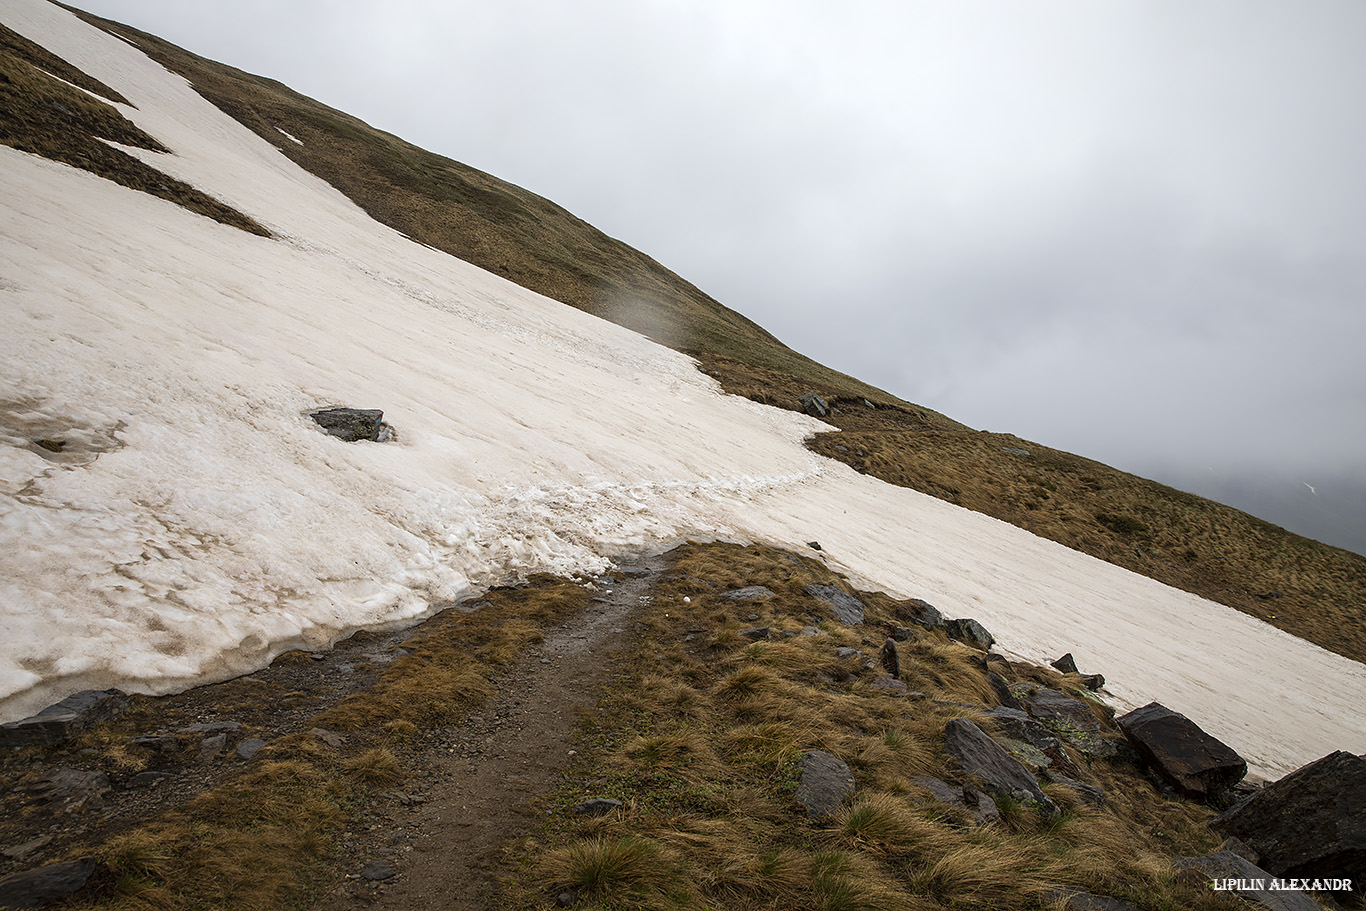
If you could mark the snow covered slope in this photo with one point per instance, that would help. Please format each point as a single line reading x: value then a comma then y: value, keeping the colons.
x: 197, y: 522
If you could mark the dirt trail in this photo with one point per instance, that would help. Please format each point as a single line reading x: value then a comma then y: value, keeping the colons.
x: 476, y: 784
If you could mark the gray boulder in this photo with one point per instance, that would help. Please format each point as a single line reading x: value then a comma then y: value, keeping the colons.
x: 1197, y: 764
x: 1069, y: 718
x: 350, y: 424
x: 970, y: 632
x: 1227, y: 872
x: 846, y: 608
x: 1309, y: 824
x: 64, y: 720
x: 927, y: 615
x: 824, y: 782
x: 1000, y: 773
x: 34, y: 888
x: 814, y: 405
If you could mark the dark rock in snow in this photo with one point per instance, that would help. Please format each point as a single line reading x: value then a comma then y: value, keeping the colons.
x: 64, y: 720
x: 814, y: 545
x: 984, y: 758
x: 34, y: 888
x: 825, y: 781
x: 890, y: 662
x: 1067, y: 664
x: 847, y: 608
x: 1311, y: 823
x: 752, y: 593
x: 814, y: 405
x: 1194, y: 762
x: 351, y: 424
x: 970, y: 632
x: 1246, y: 879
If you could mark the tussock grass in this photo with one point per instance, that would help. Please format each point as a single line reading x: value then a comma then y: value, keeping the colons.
x: 703, y: 744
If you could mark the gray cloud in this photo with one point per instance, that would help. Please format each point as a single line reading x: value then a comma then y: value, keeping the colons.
x: 1130, y: 230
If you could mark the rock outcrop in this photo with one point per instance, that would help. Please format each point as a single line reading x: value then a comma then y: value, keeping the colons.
x: 1000, y: 773
x: 1197, y: 764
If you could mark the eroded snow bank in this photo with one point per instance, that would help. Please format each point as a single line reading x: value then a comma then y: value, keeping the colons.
x: 197, y: 521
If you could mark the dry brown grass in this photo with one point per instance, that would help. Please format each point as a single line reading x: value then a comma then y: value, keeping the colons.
x: 708, y: 774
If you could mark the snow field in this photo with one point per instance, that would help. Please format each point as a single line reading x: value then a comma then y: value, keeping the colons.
x: 198, y: 522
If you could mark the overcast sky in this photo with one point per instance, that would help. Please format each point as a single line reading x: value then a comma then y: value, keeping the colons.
x: 1130, y: 230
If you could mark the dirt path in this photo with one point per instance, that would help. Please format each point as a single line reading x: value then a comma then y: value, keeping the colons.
x: 476, y: 783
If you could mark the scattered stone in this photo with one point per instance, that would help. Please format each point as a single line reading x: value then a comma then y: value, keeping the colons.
x: 1086, y: 901
x: 1069, y: 718
x: 350, y: 424
x: 757, y: 633
x: 1067, y: 664
x: 1233, y: 873
x: 596, y: 807
x: 847, y: 608
x: 928, y: 615
x: 1089, y: 793
x: 212, y: 727
x: 751, y: 593
x: 890, y: 685
x: 1194, y: 762
x: 19, y: 852
x: 147, y: 779
x: 900, y: 633
x: 211, y: 747
x: 1001, y: 773
x: 377, y: 871
x: 335, y: 740
x: 811, y: 631
x: 845, y: 651
x: 1311, y: 823
x: 566, y: 899
x: 36, y: 887
x: 814, y: 405
x: 60, y: 722
x: 71, y: 790
x: 824, y: 782
x: 249, y: 748
x: 970, y: 632
x: 965, y: 797
x: 889, y: 658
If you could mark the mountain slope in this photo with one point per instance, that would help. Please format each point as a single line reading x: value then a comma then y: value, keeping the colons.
x: 191, y: 521
x: 1307, y: 588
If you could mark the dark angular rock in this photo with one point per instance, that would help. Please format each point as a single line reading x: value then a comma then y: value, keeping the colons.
x: 1067, y: 664
x: 999, y: 772
x: 1015, y: 723
x: 847, y: 609
x: 350, y: 424
x: 757, y: 633
x: 814, y: 545
x: 814, y: 405
x: 890, y: 662
x: 72, y: 789
x: 900, y: 633
x: 1309, y: 824
x: 1002, y: 690
x: 147, y: 779
x: 1226, y: 869
x: 1197, y: 764
x: 1071, y: 719
x: 752, y: 593
x: 596, y: 807
x: 824, y: 782
x: 62, y: 721
x: 210, y: 748
x: 1093, y: 681
x: 249, y: 748
x: 927, y: 615
x: 377, y: 871
x: 970, y: 632
x: 33, y: 888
